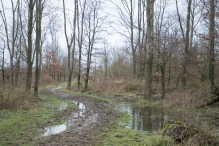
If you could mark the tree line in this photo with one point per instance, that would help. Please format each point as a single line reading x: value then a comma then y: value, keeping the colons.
x: 161, y: 45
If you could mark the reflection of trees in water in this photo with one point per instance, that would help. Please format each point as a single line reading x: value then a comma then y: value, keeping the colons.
x: 153, y: 118
x: 147, y: 118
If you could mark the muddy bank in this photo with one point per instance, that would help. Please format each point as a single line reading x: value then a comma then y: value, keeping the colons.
x: 87, y: 124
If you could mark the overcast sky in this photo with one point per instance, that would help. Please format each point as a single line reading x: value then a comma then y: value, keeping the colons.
x: 114, y: 39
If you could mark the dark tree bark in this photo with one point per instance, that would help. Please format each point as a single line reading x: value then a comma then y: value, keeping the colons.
x: 39, y: 9
x: 29, y: 48
x: 211, y: 43
x: 150, y: 47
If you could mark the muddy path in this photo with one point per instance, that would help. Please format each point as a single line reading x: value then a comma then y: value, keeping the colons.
x: 87, y: 125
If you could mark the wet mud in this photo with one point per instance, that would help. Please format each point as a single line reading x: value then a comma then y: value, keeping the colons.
x: 83, y: 124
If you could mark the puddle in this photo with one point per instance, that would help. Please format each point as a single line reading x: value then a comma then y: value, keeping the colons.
x: 62, y: 127
x: 145, y: 118
x: 62, y: 106
x: 152, y: 119
x: 58, y: 128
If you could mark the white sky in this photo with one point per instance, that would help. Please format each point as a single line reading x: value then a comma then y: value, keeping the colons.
x: 113, y: 39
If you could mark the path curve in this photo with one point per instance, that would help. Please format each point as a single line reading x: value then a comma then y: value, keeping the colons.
x: 88, y: 126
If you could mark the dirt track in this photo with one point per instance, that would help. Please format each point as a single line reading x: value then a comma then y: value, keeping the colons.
x: 87, y: 127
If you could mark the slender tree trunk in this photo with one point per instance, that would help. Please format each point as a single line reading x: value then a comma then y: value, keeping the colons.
x: 163, y: 88
x: 69, y: 44
x: 186, y: 50
x: 80, y: 40
x: 38, y: 44
x: 211, y: 43
x: 3, y: 63
x: 17, y: 69
x: 29, y: 48
x: 132, y: 38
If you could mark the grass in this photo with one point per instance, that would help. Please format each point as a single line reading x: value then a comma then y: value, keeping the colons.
x: 116, y: 134
x: 119, y: 136
x: 24, y: 127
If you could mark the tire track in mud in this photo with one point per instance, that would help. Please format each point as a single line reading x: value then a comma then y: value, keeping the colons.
x: 86, y: 126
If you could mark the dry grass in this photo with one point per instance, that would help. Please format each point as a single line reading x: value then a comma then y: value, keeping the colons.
x: 184, y: 99
x: 17, y: 98
x: 117, y: 86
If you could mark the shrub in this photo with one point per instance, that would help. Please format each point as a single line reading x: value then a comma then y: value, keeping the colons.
x: 17, y: 98
x: 185, y: 99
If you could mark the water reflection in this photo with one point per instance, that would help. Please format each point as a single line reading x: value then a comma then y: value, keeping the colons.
x: 62, y: 127
x: 152, y: 119
x: 58, y: 128
x: 145, y: 118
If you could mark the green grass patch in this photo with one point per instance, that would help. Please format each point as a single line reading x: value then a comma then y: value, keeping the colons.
x: 25, y: 127
x: 117, y: 135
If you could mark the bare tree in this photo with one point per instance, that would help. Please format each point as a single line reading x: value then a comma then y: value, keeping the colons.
x: 80, y: 24
x: 11, y: 42
x: 38, y: 19
x: 29, y: 49
x: 70, y: 42
x: 93, y: 23
x: 186, y: 40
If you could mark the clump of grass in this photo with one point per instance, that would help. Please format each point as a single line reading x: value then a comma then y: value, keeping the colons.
x: 16, y: 98
x: 184, y: 99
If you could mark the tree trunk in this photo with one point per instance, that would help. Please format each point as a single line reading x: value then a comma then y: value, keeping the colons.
x: 2, y: 66
x: 38, y: 42
x: 186, y: 51
x: 163, y: 88
x: 80, y: 40
x: 150, y: 47
x: 211, y: 43
x: 29, y: 48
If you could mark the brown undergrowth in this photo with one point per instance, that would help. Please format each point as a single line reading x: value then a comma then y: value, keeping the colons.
x: 184, y: 99
x: 16, y: 98
x: 117, y: 86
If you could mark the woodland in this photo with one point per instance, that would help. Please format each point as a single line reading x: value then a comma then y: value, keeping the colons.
x: 160, y: 50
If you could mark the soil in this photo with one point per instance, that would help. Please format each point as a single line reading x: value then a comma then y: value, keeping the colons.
x: 86, y: 129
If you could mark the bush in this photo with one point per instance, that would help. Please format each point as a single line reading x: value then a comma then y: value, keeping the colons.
x: 184, y: 99
x: 17, y: 98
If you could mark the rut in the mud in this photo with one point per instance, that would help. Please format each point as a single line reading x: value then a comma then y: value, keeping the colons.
x: 86, y: 127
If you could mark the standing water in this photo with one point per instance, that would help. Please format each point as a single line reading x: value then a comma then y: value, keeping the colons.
x: 152, y: 119
x: 62, y: 127
x: 149, y: 119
